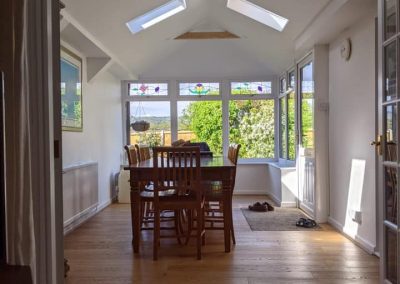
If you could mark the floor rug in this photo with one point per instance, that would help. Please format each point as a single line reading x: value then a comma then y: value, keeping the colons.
x: 281, y: 219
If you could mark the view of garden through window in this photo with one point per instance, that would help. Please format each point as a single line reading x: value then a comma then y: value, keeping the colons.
x: 251, y: 121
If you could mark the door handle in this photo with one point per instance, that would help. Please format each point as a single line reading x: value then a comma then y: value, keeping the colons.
x: 378, y: 145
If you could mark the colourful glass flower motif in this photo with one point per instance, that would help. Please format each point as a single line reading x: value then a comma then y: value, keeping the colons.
x: 199, y: 90
x: 260, y: 89
x: 143, y: 89
x: 157, y: 89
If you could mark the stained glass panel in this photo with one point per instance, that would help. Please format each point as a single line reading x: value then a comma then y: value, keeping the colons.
x: 251, y: 88
x: 199, y: 89
x: 148, y: 89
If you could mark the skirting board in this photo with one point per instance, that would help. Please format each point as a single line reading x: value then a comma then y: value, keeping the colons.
x: 249, y: 192
x: 282, y: 204
x: 361, y: 242
x: 73, y: 223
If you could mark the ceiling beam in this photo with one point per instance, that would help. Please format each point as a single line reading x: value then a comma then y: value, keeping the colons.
x: 207, y: 35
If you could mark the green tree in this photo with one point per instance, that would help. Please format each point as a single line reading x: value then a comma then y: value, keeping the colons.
x: 205, y: 120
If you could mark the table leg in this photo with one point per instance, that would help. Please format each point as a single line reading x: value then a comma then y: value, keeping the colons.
x: 227, y: 214
x: 135, y: 217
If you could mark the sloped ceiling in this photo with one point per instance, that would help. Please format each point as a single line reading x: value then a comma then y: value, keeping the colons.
x: 152, y: 53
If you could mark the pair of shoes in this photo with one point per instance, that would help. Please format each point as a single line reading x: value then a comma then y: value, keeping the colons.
x: 306, y: 223
x: 269, y: 206
x: 259, y: 207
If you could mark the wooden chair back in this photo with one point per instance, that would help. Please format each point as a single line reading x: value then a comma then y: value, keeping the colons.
x: 131, y: 154
x: 143, y: 152
x: 177, y: 168
x: 233, y: 155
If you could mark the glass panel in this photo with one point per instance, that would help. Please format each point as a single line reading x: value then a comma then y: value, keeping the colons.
x: 282, y: 85
x: 201, y: 121
x: 282, y: 128
x: 307, y: 106
x: 391, y: 256
x: 198, y: 89
x: 391, y: 133
x: 292, y: 82
x: 158, y: 115
x: 251, y: 124
x: 291, y: 126
x: 390, y: 18
x: 148, y: 89
x: 391, y: 194
x: 390, y: 71
x: 251, y: 88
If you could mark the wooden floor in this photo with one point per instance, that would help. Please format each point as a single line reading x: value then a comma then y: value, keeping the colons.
x: 100, y: 251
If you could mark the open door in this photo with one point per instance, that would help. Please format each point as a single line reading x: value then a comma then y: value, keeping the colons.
x: 388, y: 107
x: 306, y: 149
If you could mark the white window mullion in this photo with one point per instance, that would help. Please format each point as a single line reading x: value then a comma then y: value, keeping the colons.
x: 225, y: 92
x: 174, y: 93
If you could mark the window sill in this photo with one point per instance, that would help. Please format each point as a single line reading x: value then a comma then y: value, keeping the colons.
x: 255, y: 161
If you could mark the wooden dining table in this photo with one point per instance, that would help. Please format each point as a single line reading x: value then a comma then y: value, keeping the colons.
x: 212, y: 169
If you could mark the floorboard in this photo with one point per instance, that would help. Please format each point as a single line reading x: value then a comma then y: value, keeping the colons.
x: 100, y: 252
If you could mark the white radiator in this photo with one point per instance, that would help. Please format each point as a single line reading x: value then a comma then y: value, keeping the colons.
x: 80, y: 193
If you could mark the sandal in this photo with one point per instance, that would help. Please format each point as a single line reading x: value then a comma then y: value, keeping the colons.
x: 258, y: 207
x: 306, y: 223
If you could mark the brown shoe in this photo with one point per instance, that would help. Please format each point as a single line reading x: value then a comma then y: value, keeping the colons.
x: 258, y: 207
x: 269, y: 206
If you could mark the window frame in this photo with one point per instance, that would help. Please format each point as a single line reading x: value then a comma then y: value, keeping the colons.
x: 284, y: 94
x: 225, y: 96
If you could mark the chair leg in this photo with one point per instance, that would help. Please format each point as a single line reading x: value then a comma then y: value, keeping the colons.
x: 189, y: 226
x: 233, y: 230
x: 199, y: 227
x: 177, y: 229
x: 156, y: 234
x: 203, y: 228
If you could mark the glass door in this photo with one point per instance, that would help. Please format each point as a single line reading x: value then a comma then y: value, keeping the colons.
x: 306, y: 151
x: 389, y: 103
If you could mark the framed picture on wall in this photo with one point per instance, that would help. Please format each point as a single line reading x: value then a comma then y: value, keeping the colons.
x: 71, y: 91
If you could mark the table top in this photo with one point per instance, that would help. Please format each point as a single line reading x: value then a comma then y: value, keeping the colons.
x: 205, y: 162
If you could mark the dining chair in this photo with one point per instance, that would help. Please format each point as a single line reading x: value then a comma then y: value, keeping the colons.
x: 178, y: 168
x: 215, y: 199
x: 146, y: 196
x: 143, y: 152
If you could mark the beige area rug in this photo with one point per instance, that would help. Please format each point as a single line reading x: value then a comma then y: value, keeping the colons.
x: 281, y: 219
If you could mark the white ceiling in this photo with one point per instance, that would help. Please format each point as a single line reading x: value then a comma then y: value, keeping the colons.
x: 152, y: 53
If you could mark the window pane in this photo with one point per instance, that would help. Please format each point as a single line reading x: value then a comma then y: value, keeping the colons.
x: 201, y: 121
x: 282, y: 126
x: 390, y: 71
x: 391, y: 133
x: 198, y: 89
x: 390, y: 18
x: 251, y: 124
x: 292, y: 82
x: 158, y: 115
x: 282, y: 87
x: 307, y: 106
x: 148, y: 89
x: 251, y: 88
x: 291, y: 126
x: 391, y: 256
x: 391, y: 194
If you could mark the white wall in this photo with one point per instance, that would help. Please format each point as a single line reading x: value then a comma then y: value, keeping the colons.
x: 251, y: 179
x: 351, y: 130
x: 101, y: 139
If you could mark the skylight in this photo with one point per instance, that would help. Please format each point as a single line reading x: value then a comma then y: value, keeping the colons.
x: 258, y: 14
x: 155, y: 16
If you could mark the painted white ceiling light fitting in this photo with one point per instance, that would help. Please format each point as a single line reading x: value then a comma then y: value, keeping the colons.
x: 156, y: 15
